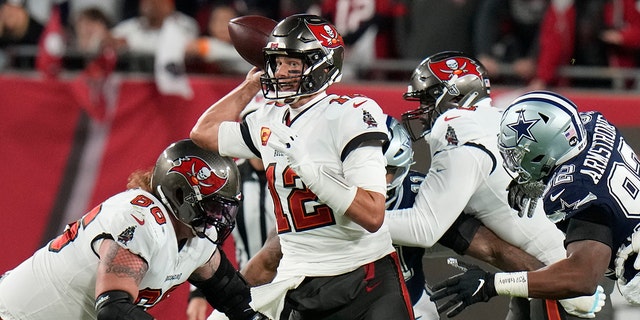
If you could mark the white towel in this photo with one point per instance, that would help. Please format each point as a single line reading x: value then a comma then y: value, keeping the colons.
x: 268, y: 299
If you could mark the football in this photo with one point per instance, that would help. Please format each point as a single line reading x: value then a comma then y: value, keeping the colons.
x: 249, y: 35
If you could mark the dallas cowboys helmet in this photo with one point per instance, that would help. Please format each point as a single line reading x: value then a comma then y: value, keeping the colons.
x: 398, y: 152
x: 200, y: 188
x: 442, y: 81
x: 539, y: 131
x: 312, y: 39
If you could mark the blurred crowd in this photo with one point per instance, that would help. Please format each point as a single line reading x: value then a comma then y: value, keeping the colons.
x: 520, y: 42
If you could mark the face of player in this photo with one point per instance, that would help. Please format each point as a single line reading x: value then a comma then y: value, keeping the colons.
x: 288, y: 71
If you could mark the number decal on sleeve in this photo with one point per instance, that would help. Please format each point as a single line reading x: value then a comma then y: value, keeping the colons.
x: 71, y: 232
x: 305, y: 211
x: 156, y: 212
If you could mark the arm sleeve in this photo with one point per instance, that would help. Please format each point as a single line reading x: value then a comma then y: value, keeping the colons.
x: 365, y: 168
x: 232, y: 141
x: 451, y: 181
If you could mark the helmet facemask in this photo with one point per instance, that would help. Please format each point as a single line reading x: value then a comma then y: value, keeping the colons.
x: 212, y: 217
x: 419, y: 122
x: 316, y: 75
x: 215, y: 213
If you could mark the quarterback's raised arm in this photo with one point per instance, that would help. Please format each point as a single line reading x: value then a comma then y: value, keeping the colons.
x: 228, y: 108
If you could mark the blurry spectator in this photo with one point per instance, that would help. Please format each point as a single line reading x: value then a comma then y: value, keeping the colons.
x: 217, y: 47
x: 622, y: 32
x: 140, y: 34
x: 366, y: 27
x: 506, y: 31
x: 589, y: 33
x: 112, y: 9
x: 91, y: 27
x: 17, y: 26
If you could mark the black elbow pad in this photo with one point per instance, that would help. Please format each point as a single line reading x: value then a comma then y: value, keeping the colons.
x: 227, y: 291
x: 458, y: 237
x: 118, y: 305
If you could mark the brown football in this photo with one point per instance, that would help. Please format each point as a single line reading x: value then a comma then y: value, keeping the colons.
x: 249, y: 35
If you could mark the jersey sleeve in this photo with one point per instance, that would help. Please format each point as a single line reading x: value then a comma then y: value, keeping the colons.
x: 234, y: 140
x: 365, y: 168
x: 451, y: 181
x: 134, y: 227
x: 361, y: 120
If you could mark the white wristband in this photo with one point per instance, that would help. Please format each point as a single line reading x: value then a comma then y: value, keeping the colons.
x: 513, y: 284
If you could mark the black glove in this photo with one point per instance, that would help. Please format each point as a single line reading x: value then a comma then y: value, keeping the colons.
x: 524, y: 197
x: 473, y: 286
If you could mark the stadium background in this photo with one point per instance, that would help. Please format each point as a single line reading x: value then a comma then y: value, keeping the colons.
x: 64, y: 153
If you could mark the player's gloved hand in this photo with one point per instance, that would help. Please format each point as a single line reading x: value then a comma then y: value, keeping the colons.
x: 285, y: 140
x: 330, y: 187
x: 585, y: 306
x: 473, y: 286
x: 524, y: 197
x: 623, y: 254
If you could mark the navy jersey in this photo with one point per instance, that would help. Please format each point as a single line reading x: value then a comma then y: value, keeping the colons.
x: 410, y: 257
x: 601, y: 185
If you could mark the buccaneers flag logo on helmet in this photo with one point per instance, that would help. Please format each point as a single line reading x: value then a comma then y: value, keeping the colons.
x: 455, y: 66
x: 198, y: 173
x: 327, y: 35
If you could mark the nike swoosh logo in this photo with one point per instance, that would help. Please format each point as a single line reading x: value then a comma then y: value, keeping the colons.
x: 140, y: 222
x: 372, y: 286
x: 447, y: 118
x: 554, y: 197
x: 355, y: 105
x: 479, y: 286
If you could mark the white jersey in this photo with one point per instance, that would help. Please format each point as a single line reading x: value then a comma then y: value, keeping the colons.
x: 142, y: 39
x: 466, y: 175
x: 315, y: 240
x: 58, y: 281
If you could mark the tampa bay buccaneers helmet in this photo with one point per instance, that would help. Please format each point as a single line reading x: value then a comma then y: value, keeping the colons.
x: 201, y: 188
x: 539, y: 131
x: 313, y: 40
x: 442, y: 81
